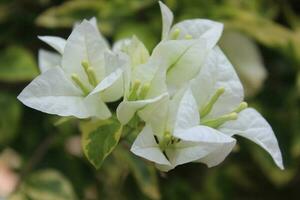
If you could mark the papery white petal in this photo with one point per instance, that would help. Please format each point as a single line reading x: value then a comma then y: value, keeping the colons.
x: 187, y: 113
x: 135, y: 49
x: 202, y: 144
x: 52, y: 92
x: 111, y: 87
x: 247, y: 60
x: 95, y: 107
x: 127, y: 73
x: 84, y: 43
x: 115, y: 61
x: 157, y: 84
x: 94, y: 22
x: 127, y: 109
x: 203, y: 134
x: 217, y: 73
x: 251, y: 125
x: 156, y: 115
x: 173, y: 108
x: 182, y: 59
x: 48, y: 60
x: 152, y: 75
x: 114, y: 92
x: 145, y: 72
x: 119, y: 45
x: 56, y: 43
x: 145, y: 146
x: 167, y: 19
x: 218, y: 155
x: 185, y: 152
x: 208, y: 30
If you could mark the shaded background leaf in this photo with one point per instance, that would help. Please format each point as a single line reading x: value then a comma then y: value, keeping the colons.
x: 17, y: 64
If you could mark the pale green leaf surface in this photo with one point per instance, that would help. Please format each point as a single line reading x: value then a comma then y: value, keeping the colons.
x: 99, y: 138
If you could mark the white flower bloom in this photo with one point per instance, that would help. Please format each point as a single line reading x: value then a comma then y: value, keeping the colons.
x: 173, y: 62
x: 219, y: 96
x: 192, y: 39
x: 173, y: 136
x: 89, y: 76
x: 176, y: 134
x: 134, y: 48
x: 149, y: 76
x: 48, y: 59
x: 144, y: 80
x: 208, y: 30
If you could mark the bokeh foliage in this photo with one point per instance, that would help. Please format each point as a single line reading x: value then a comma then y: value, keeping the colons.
x: 48, y: 170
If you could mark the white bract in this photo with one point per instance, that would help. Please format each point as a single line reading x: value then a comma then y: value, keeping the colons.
x: 219, y: 96
x: 48, y: 59
x: 144, y: 83
x: 192, y: 40
x: 208, y: 30
x: 173, y: 136
x: 87, y: 76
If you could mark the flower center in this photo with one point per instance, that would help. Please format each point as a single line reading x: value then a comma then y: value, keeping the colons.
x: 166, y: 141
x: 138, y: 90
x: 216, y: 122
x: 91, y: 75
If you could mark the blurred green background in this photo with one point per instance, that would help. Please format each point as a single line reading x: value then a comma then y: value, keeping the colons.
x: 41, y: 160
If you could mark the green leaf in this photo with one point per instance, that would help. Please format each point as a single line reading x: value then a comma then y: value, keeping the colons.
x: 45, y: 185
x: 265, y: 31
x: 142, y: 31
x: 9, y: 118
x: 99, y: 138
x: 298, y: 84
x: 68, y: 13
x: 17, y: 64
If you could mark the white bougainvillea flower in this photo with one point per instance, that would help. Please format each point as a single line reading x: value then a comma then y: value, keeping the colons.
x: 208, y: 30
x: 172, y: 135
x: 48, y: 59
x: 144, y: 81
x: 245, y: 56
x: 149, y: 76
x: 219, y: 95
x: 193, y: 39
x: 173, y: 62
x: 134, y: 48
x: 89, y: 76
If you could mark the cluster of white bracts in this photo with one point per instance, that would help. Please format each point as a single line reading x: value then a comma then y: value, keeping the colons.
x: 186, y: 91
